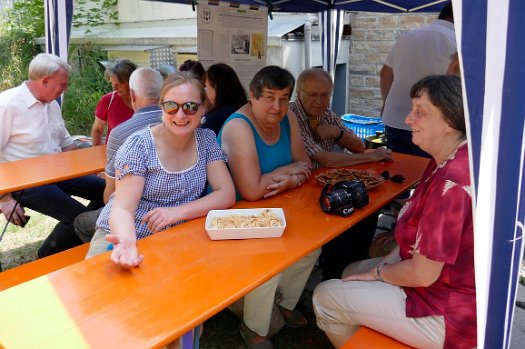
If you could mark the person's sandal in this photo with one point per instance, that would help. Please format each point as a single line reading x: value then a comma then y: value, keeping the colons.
x: 294, y: 320
x: 248, y: 336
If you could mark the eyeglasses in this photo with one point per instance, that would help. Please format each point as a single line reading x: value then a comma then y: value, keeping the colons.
x: 189, y: 108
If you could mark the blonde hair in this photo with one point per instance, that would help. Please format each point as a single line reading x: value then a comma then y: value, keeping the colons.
x: 180, y: 78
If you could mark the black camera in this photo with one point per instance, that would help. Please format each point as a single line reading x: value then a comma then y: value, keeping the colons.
x: 343, y: 197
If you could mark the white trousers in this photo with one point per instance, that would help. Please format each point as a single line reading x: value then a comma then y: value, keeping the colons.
x: 258, y: 304
x: 341, y: 307
x: 98, y: 244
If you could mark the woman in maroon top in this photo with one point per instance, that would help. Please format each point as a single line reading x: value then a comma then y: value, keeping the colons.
x: 423, y: 293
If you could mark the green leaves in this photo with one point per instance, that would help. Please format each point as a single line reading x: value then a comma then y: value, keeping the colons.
x: 95, y: 13
x: 86, y: 86
x: 26, y: 16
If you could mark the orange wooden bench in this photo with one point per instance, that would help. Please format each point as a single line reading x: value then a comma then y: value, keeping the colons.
x: 32, y: 270
x: 366, y: 338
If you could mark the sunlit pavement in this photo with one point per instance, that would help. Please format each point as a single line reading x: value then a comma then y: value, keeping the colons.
x: 518, y: 327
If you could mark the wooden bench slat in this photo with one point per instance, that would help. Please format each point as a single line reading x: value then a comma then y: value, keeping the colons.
x: 39, y: 267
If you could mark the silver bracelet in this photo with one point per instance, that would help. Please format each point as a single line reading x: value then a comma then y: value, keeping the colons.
x: 378, y: 271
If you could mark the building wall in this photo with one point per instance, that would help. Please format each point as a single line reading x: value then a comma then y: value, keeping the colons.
x: 139, y: 11
x: 373, y: 36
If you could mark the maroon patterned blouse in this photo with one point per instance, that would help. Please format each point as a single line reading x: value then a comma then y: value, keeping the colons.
x: 437, y: 223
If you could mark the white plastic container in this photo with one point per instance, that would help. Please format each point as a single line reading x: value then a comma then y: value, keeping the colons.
x: 244, y: 233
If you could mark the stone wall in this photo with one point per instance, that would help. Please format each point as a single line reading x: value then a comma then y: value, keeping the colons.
x: 373, y: 35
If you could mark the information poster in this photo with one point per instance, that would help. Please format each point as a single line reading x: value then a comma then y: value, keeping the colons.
x: 232, y: 35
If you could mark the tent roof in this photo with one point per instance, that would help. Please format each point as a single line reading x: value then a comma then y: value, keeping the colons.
x: 305, y: 6
x: 172, y: 29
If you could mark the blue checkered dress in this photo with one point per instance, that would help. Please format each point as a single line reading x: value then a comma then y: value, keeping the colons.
x: 162, y: 188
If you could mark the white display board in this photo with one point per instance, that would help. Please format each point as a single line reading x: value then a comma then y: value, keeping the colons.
x: 235, y: 35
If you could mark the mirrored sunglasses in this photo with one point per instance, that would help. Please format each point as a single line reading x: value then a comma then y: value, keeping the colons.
x: 189, y: 108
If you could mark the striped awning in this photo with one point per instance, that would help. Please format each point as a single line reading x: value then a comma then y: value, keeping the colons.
x: 58, y: 16
x: 58, y: 20
x: 492, y: 51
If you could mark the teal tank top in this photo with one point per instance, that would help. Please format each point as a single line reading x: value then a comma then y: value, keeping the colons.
x: 270, y: 156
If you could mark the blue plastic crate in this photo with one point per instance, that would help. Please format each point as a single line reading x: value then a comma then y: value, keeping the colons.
x: 363, y: 126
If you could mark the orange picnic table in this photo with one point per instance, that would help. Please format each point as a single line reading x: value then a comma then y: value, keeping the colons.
x: 52, y: 168
x: 185, y: 278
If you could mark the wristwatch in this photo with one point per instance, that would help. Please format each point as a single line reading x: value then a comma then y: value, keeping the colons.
x: 378, y: 271
x: 340, y: 136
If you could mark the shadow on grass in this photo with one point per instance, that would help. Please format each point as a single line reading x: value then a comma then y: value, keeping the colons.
x: 222, y: 332
x: 20, y: 255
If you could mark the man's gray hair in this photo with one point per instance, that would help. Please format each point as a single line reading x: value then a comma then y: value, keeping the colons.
x: 313, y: 73
x: 146, y: 82
x: 45, y: 64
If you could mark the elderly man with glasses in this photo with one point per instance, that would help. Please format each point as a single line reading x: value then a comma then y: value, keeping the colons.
x: 322, y: 130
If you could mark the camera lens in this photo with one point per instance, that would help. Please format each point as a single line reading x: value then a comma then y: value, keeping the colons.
x: 335, y: 199
x: 326, y: 203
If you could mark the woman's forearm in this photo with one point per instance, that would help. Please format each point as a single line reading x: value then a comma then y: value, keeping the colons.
x: 219, y: 199
x: 122, y: 224
x: 410, y: 273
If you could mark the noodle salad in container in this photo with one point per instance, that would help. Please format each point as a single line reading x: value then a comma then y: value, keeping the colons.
x: 254, y: 223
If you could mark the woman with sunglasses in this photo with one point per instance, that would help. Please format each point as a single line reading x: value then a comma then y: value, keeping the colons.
x: 160, y: 174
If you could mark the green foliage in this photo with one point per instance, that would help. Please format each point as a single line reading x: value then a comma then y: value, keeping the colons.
x: 25, y: 16
x: 86, y: 85
x: 16, y: 51
x: 19, y: 26
x: 92, y: 13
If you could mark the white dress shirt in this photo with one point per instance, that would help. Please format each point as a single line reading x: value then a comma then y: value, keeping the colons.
x: 28, y: 127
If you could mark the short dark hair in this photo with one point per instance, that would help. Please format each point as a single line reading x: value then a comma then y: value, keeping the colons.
x: 446, y: 13
x: 122, y: 69
x: 271, y: 77
x: 445, y: 93
x: 228, y: 88
x: 194, y: 67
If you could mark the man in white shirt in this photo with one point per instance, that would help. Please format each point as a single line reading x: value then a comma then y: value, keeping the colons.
x: 31, y: 125
x: 418, y: 53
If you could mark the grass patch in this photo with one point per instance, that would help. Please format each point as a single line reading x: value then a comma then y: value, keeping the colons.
x: 20, y: 245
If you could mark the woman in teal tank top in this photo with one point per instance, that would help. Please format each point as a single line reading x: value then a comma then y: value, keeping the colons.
x: 263, y: 143
x: 266, y: 156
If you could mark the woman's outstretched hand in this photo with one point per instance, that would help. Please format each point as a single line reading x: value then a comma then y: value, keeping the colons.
x: 124, y: 253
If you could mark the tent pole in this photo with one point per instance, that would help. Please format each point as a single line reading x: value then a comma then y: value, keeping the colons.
x: 307, y: 42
